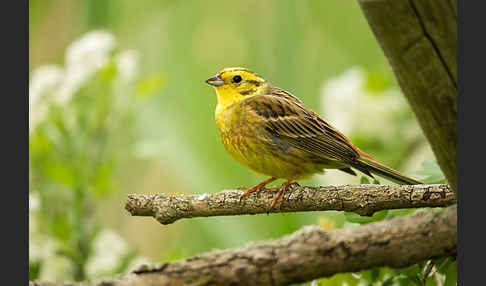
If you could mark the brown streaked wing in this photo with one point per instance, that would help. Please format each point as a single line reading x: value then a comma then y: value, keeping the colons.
x: 286, y: 118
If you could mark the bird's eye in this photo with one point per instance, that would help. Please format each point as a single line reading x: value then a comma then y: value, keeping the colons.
x: 236, y: 79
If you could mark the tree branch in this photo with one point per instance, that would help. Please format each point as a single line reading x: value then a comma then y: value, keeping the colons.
x: 419, y: 39
x: 310, y: 253
x: 362, y: 199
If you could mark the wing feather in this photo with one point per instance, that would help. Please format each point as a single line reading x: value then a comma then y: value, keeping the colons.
x: 285, y: 117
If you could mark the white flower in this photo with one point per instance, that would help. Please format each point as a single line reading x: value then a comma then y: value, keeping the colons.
x: 352, y: 109
x: 108, y: 249
x: 91, y: 50
x: 43, y: 249
x: 85, y: 57
x: 126, y: 63
x: 45, y: 81
x: 41, y: 246
x: 56, y: 268
x: 339, y: 98
x: 37, y: 114
x: 75, y: 77
x: 34, y: 202
x: 355, y: 111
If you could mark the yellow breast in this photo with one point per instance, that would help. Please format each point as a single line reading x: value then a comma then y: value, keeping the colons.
x: 246, y: 145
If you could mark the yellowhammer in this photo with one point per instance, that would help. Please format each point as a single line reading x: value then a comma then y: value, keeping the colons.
x: 273, y: 133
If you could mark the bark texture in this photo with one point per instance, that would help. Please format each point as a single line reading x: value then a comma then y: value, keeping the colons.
x: 362, y: 199
x: 419, y: 39
x: 310, y: 253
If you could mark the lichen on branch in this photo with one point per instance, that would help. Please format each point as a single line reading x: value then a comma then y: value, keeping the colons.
x: 309, y: 253
x: 362, y: 199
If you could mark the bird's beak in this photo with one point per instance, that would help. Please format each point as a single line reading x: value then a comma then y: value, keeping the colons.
x: 215, y: 80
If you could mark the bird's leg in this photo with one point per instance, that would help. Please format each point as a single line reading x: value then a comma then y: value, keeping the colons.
x: 257, y: 188
x: 282, y: 189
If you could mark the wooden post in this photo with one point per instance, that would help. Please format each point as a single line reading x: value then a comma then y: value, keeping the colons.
x: 419, y: 39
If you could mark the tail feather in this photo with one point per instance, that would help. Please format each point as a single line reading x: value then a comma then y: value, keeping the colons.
x: 368, y: 164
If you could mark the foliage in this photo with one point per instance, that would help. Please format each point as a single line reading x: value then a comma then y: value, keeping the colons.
x: 443, y: 272
x: 77, y: 113
x: 374, y: 114
x: 432, y: 173
x: 109, y: 136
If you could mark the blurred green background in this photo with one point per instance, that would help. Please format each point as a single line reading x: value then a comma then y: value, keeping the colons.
x: 165, y: 138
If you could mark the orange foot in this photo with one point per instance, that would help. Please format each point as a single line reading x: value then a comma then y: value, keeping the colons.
x: 281, y: 190
x: 256, y: 188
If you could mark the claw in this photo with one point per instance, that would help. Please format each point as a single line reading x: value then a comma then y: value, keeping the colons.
x: 281, y: 191
x: 279, y: 195
x: 256, y: 188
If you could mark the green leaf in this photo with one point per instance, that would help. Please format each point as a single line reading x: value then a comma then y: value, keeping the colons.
x: 413, y: 274
x: 370, y: 275
x: 442, y: 264
x: 431, y: 280
x: 356, y: 218
x: 34, y: 270
x: 388, y: 281
x: 61, y: 228
x: 413, y: 270
x: 451, y: 275
x: 432, y: 172
x: 405, y: 280
x: 364, y: 180
x: 339, y: 280
x: 400, y: 212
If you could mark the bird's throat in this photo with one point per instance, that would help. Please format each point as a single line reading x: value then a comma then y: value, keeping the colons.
x: 227, y: 97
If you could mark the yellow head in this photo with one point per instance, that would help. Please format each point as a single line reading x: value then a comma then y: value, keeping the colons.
x: 235, y: 84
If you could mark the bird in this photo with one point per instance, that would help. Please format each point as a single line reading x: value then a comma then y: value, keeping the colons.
x: 272, y: 132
